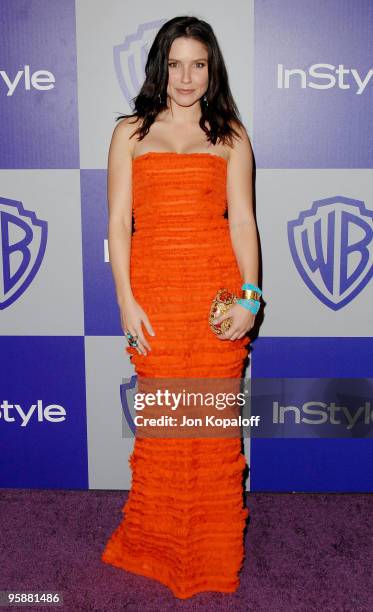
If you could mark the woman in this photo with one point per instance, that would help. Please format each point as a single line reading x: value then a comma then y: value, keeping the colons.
x: 178, y: 161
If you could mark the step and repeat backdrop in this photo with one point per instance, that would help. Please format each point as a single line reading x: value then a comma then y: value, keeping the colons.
x: 302, y: 76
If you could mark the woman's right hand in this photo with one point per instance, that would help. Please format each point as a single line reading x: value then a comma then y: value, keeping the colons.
x: 132, y: 315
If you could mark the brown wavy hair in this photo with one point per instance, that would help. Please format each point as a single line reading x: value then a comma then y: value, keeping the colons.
x: 220, y: 110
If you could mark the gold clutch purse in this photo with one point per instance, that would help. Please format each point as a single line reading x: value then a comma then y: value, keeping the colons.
x: 223, y: 300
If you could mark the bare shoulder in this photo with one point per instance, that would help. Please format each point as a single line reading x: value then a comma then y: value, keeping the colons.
x: 121, y: 137
x: 241, y: 149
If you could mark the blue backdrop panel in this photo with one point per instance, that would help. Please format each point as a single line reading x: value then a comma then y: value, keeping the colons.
x: 312, y: 464
x: 43, y: 429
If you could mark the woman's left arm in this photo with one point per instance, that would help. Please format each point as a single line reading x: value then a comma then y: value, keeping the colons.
x: 243, y: 230
x: 242, y: 224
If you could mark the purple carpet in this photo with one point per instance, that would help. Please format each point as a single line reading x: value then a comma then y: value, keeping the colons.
x: 304, y: 552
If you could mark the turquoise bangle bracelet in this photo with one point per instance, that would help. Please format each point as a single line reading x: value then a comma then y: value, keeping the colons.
x: 251, y: 286
x: 252, y: 305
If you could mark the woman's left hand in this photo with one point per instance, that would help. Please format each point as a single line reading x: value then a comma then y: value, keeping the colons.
x: 243, y: 321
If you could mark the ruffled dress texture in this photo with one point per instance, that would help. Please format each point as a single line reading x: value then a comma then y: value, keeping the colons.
x: 185, y: 514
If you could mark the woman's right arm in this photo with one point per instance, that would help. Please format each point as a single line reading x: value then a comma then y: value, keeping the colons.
x: 119, y: 195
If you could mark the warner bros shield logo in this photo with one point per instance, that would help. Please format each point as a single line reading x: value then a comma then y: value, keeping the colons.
x: 130, y: 58
x: 332, y: 248
x: 23, y: 242
x: 128, y: 389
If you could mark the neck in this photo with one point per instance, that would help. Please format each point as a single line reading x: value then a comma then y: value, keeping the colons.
x: 182, y: 114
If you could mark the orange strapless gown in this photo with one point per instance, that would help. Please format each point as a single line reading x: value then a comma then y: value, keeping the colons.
x: 185, y: 514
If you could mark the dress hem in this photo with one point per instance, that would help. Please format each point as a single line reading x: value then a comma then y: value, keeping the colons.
x: 213, y: 588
